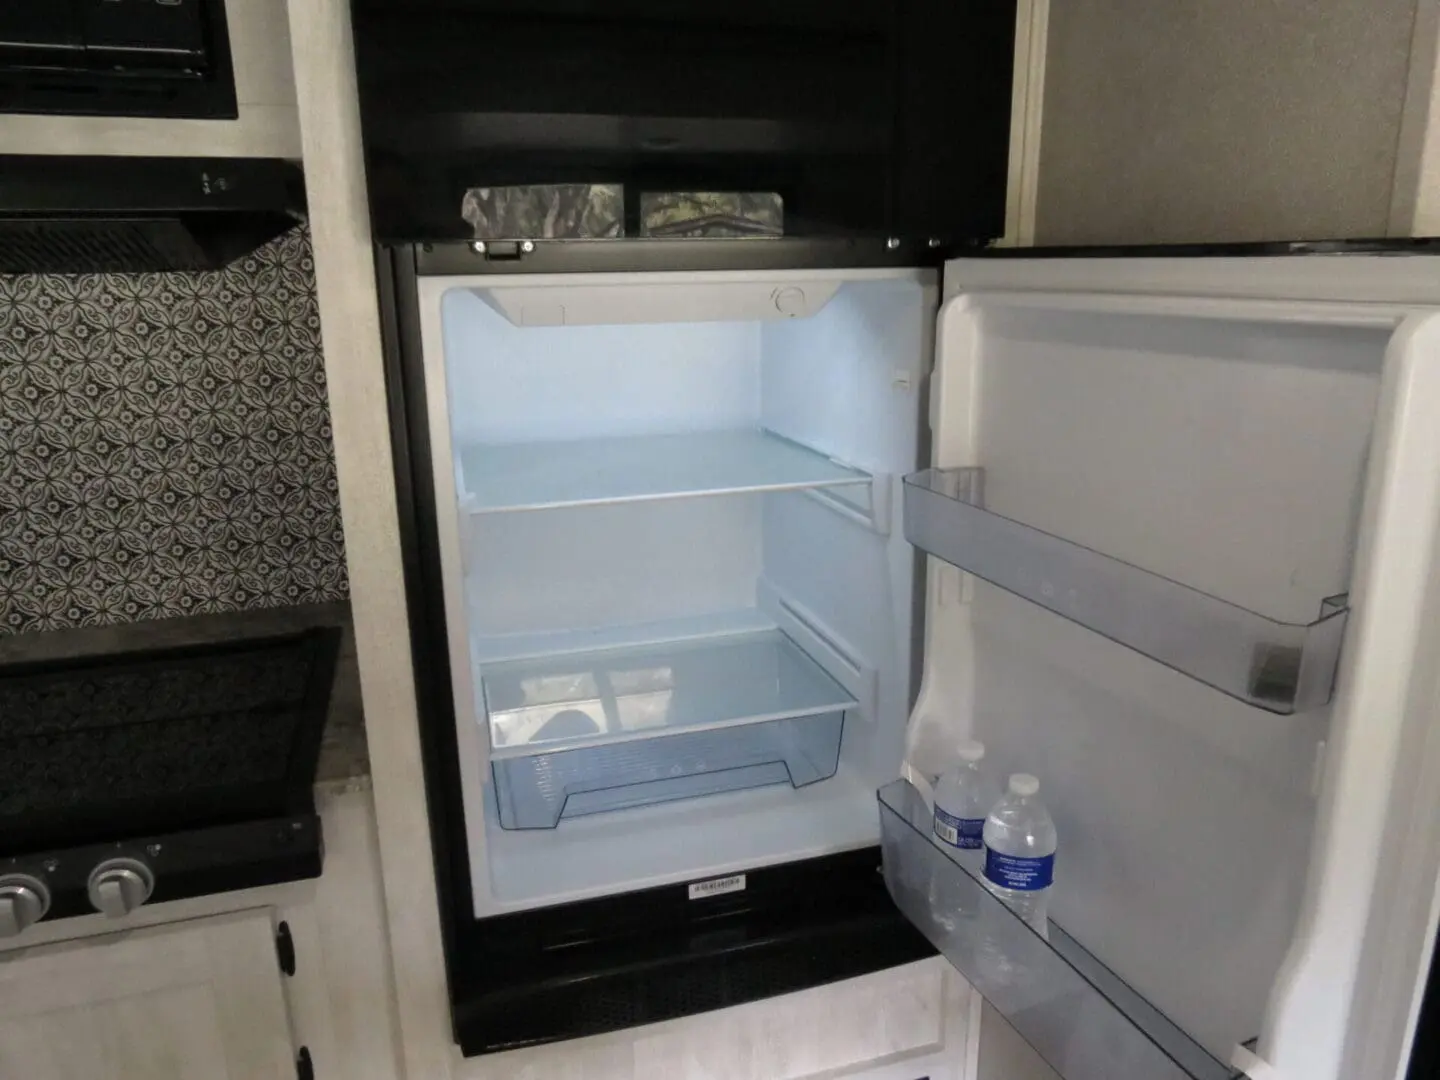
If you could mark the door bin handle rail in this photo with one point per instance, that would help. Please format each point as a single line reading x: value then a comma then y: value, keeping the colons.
x: 1273, y: 665
x: 1077, y: 1014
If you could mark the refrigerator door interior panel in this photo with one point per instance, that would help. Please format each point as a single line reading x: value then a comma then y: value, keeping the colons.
x: 679, y: 598
x: 1207, y: 491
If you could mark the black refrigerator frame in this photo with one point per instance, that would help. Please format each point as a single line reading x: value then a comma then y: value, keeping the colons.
x: 593, y: 966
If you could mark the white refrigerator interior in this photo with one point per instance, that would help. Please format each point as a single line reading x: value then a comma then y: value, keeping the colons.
x: 674, y: 566
x: 677, y: 552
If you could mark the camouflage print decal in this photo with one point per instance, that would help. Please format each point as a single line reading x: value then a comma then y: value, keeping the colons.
x: 546, y: 211
x: 712, y: 213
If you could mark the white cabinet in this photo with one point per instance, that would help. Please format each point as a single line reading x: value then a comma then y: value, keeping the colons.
x: 199, y: 998
x: 267, y: 125
x: 1237, y: 121
x: 192, y: 989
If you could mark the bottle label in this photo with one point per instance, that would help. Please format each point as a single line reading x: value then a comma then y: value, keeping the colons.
x: 959, y: 832
x: 1019, y: 873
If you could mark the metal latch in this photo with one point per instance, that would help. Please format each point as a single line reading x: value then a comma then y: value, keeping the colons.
x: 502, y: 250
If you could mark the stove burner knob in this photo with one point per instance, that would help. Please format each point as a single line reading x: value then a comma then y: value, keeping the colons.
x: 24, y: 900
x: 119, y: 886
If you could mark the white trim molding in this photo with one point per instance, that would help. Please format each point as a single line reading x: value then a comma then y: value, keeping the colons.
x: 1415, y: 190
x: 1027, y: 102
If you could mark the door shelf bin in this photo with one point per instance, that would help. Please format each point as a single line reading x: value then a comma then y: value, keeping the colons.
x: 1073, y: 1011
x: 581, y: 733
x: 537, y: 791
x: 1277, y: 666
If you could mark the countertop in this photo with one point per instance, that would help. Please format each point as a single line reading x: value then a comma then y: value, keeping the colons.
x: 344, y: 756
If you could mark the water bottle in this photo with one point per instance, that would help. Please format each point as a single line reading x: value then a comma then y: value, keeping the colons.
x: 963, y: 796
x: 1020, y: 851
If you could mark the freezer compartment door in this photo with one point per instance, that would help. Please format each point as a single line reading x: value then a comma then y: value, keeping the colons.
x: 1182, y: 515
x: 551, y: 119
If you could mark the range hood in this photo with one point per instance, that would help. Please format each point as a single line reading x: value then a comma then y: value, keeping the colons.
x: 81, y: 215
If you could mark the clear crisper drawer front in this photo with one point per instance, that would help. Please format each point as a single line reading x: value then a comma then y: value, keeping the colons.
x: 1072, y: 1010
x: 536, y: 791
x: 579, y: 733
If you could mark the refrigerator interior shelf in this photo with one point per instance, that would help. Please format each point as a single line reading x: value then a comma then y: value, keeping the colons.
x: 646, y: 692
x: 547, y: 475
x: 1278, y: 666
x: 583, y: 733
x: 1085, y: 1021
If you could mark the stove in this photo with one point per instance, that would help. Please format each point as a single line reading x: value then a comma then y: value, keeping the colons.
x: 146, y: 776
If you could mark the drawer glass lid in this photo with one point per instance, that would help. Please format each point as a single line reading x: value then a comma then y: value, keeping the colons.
x: 560, y: 702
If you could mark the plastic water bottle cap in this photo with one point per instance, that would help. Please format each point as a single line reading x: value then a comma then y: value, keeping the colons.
x: 1024, y: 785
x: 971, y: 750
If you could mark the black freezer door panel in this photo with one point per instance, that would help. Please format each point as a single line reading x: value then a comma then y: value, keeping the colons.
x: 888, y: 118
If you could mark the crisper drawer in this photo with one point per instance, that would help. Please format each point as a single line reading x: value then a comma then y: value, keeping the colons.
x: 583, y: 733
x: 1073, y: 1011
x: 536, y: 791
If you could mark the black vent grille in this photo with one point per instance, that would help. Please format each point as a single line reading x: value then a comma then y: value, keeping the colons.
x: 94, y: 246
x: 208, y: 240
x: 825, y: 947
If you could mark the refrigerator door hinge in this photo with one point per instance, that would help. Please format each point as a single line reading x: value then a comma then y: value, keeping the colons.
x: 285, y: 948
x: 304, y: 1067
x: 502, y: 250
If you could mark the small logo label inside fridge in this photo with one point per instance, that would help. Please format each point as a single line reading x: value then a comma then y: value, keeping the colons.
x: 717, y: 886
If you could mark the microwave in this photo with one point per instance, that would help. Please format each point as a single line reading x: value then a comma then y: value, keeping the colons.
x: 146, y: 58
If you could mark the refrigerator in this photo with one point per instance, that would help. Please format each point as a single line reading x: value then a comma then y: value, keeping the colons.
x: 716, y: 564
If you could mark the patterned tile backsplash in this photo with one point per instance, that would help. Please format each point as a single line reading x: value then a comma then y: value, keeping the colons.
x: 165, y: 444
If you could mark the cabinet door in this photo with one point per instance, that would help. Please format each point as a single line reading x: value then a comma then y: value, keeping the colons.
x: 194, y: 999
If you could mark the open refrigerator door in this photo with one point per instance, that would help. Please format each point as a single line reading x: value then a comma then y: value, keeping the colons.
x: 1226, y: 485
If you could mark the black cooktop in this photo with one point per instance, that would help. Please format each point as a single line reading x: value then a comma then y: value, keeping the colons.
x: 191, y: 769
x: 98, y: 748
